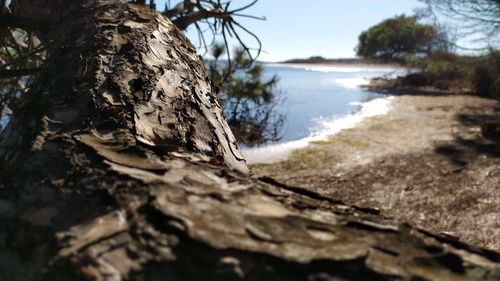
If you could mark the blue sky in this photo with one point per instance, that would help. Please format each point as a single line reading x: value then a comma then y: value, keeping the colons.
x: 328, y: 28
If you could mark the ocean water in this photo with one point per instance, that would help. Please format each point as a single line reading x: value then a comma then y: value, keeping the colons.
x: 319, y: 101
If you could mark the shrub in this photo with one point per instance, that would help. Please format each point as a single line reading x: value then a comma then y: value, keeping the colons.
x: 444, y: 70
x: 495, y: 87
x: 445, y: 56
x: 482, y: 80
x: 415, y: 80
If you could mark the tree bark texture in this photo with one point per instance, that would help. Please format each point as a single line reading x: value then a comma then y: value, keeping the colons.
x: 119, y: 165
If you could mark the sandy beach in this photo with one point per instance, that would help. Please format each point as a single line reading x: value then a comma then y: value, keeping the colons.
x: 424, y: 162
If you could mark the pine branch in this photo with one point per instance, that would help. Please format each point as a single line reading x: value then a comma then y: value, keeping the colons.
x: 25, y: 23
x: 8, y: 73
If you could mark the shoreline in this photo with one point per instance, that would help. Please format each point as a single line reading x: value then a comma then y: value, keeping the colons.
x: 353, y: 67
x: 424, y: 162
x: 274, y: 153
x: 345, y: 61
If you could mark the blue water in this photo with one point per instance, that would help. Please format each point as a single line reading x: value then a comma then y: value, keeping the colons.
x: 314, y: 94
x: 319, y: 92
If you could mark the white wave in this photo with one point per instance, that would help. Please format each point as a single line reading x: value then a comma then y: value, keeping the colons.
x: 348, y: 69
x: 352, y: 83
x: 326, y: 127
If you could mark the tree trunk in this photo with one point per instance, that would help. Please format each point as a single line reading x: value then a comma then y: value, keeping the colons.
x: 119, y: 165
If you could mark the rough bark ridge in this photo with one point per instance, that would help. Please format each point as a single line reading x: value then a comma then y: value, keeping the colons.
x: 120, y: 166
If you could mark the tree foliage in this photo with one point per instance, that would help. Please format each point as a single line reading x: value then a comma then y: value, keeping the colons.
x: 396, y: 38
x: 216, y: 17
x: 250, y: 101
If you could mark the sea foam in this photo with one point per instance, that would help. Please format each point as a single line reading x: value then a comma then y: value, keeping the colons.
x: 352, y: 83
x: 325, y: 127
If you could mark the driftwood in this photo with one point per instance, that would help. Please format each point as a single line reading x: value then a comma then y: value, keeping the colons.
x: 119, y: 165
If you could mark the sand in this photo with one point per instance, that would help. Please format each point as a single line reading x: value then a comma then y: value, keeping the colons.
x: 425, y: 162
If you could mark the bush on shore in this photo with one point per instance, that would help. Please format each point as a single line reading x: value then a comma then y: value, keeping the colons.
x: 449, y: 71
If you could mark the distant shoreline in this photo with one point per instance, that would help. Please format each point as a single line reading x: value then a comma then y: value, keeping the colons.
x: 341, y: 61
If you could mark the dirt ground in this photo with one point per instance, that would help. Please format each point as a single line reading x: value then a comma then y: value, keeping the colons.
x: 425, y: 162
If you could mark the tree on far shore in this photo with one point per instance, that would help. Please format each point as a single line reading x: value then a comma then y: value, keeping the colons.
x: 396, y: 38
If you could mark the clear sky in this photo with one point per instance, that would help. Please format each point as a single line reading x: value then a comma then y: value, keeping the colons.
x: 328, y: 28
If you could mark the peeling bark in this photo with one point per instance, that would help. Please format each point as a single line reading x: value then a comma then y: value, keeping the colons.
x: 118, y: 165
